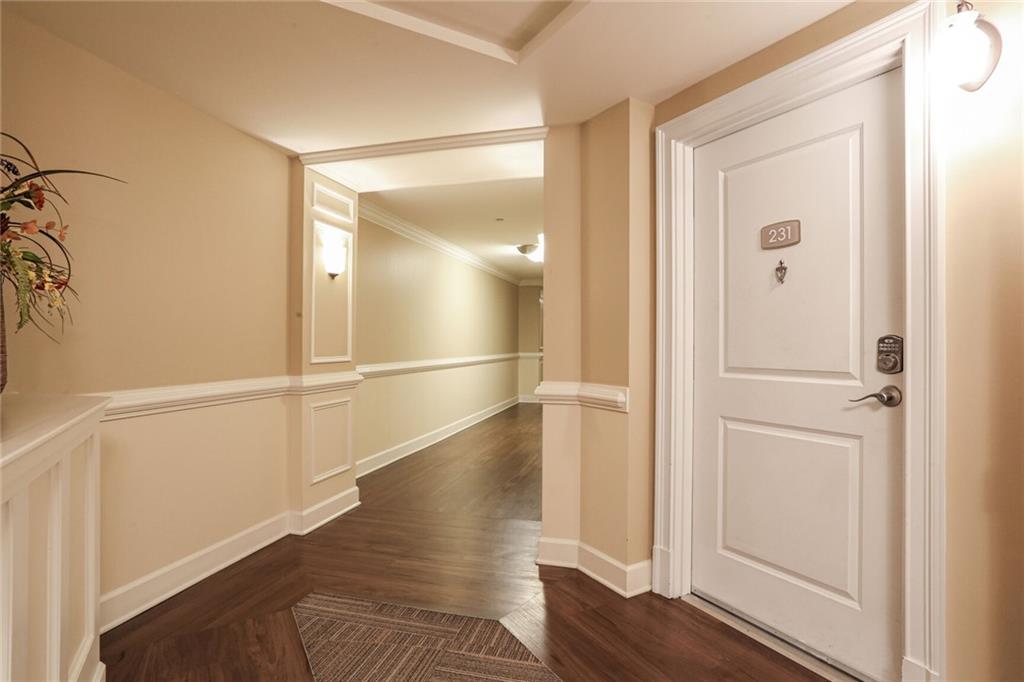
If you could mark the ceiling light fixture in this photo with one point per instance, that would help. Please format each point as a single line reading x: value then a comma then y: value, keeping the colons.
x: 534, y: 252
x: 972, y: 45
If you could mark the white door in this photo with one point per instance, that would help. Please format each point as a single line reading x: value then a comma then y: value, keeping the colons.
x: 797, y: 492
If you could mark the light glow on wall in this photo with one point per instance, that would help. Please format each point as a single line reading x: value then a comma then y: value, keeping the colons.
x: 333, y: 248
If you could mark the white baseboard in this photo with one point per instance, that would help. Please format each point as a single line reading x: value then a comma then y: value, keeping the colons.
x: 86, y: 666
x: 626, y: 580
x: 132, y: 599
x: 558, y: 552
x: 317, y: 515
x: 393, y: 454
x: 529, y: 398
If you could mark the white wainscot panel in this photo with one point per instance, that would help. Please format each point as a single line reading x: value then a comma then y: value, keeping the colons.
x: 49, y: 537
x: 330, y: 438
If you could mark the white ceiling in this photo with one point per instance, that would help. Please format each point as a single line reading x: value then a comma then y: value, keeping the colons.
x: 311, y: 76
x: 466, y: 215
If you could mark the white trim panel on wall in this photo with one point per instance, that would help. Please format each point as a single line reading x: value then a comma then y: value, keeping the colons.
x: 332, y: 205
x: 317, y: 244
x: 36, y: 472
x: 384, y: 369
x: 145, y: 401
x: 600, y: 396
x: 316, y: 411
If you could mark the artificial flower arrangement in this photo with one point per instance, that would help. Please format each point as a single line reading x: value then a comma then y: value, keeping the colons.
x: 33, y: 257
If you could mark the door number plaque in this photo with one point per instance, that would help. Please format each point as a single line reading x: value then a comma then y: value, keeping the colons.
x: 779, y: 235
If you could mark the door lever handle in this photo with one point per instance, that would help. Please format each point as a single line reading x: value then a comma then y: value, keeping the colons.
x: 890, y: 396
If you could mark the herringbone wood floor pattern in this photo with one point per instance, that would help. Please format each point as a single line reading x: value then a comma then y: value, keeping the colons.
x: 453, y: 528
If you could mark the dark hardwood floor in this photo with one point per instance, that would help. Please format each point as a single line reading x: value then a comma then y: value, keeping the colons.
x: 451, y: 528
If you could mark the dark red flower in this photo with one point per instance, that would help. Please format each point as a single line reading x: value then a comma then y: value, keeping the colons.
x: 38, y: 196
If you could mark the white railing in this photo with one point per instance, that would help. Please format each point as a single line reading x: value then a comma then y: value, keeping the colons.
x: 49, y: 537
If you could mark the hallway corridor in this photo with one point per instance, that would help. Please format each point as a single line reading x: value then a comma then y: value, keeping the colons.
x: 451, y: 528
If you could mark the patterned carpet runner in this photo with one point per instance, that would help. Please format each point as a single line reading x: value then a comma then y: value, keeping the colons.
x: 354, y: 639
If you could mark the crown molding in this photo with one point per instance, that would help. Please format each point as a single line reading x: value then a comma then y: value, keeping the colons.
x: 535, y: 282
x: 379, y: 216
x: 462, y: 39
x: 429, y: 144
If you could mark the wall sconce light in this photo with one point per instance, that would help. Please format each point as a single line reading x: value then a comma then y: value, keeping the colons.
x: 972, y: 46
x: 534, y: 252
x: 333, y: 249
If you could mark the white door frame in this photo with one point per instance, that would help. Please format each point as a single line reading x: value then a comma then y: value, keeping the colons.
x: 906, y: 39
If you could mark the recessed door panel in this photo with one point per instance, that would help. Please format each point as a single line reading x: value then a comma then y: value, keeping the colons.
x: 797, y: 491
x: 770, y: 476
x: 763, y: 331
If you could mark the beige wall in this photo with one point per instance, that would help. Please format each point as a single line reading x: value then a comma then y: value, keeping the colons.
x: 391, y: 410
x: 193, y: 245
x: 605, y: 246
x: 640, y: 443
x: 985, y: 308
x: 180, y: 273
x: 562, y: 278
x: 416, y: 303
x: 598, y: 186
x: 530, y: 324
x: 616, y: 448
x: 560, y: 483
x: 529, y: 319
x: 199, y: 269
x: 179, y: 482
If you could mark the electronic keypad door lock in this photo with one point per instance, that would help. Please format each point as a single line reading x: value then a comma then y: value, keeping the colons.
x: 890, y: 354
